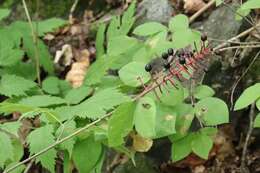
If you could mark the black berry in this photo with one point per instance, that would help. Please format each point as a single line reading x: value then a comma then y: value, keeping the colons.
x: 182, y: 60
x: 148, y: 67
x: 170, y: 51
x: 165, y: 55
x: 204, y: 37
x: 167, y: 65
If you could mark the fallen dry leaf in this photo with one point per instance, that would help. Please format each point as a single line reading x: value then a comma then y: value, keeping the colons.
x: 78, y: 70
x: 66, y: 53
x: 141, y: 144
x: 192, y: 6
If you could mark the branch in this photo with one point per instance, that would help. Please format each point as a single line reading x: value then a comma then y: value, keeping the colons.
x: 198, y: 13
x: 35, y: 41
x: 243, y: 165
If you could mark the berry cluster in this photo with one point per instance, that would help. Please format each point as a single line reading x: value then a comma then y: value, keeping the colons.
x: 177, y: 62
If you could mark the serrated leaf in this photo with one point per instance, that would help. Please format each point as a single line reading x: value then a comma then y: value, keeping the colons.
x: 149, y: 28
x: 76, y: 95
x: 51, y: 85
x: 100, y: 40
x: 128, y: 18
x: 145, y: 117
x: 248, y: 97
x: 179, y: 22
x: 86, y: 154
x: 42, y: 101
x: 11, y: 127
x: 133, y: 74
x: 18, y: 150
x: 206, y: 111
x: 181, y: 148
x: 43, y: 54
x: 97, y: 105
x: 201, y: 145
x: 19, y: 169
x: 6, y: 107
x: 38, y: 140
x: 257, y: 121
x: 4, y: 13
x: 69, y: 128
x: 121, y: 123
x: 7, y: 151
x: 11, y: 85
x: 203, y: 91
x: 9, y: 56
x: 49, y: 25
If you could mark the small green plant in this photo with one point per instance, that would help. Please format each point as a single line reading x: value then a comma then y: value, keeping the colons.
x: 248, y: 97
x: 81, y: 123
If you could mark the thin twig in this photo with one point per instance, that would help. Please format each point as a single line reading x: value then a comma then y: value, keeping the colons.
x: 73, y: 7
x: 246, y: 32
x: 35, y: 41
x: 243, y: 165
x: 198, y: 13
x: 239, y: 47
x: 235, y: 85
x: 29, y: 166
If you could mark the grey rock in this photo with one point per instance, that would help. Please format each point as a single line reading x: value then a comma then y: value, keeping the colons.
x: 155, y: 10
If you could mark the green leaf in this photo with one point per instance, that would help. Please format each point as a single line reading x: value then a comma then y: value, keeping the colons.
x: 125, y: 43
x: 174, y: 97
x: 11, y: 85
x: 18, y: 150
x: 181, y: 148
x: 42, y: 101
x: 76, y: 95
x: 86, y: 154
x: 145, y: 117
x: 133, y: 73
x: 178, y: 23
x: 38, y: 140
x: 6, y: 107
x: 69, y: 128
x: 43, y: 54
x: 251, y: 4
x: 248, y: 97
x: 67, y: 163
x: 201, y: 145
x: 51, y: 85
x: 7, y: 150
x: 149, y: 28
x: 203, y: 91
x: 11, y: 127
x: 206, y: 111
x: 258, y: 104
x: 97, y: 105
x: 219, y: 2
x: 49, y: 25
x: 257, y: 121
x: 128, y: 18
x: 113, y: 29
x: 9, y: 56
x: 97, y: 70
x: 165, y: 121
x: 184, y: 118
x: 184, y: 37
x: 121, y: 123
x: 4, y: 13
x: 100, y: 40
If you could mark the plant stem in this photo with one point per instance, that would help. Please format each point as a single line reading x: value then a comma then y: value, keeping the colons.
x: 198, y: 13
x: 243, y: 165
x: 35, y: 41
